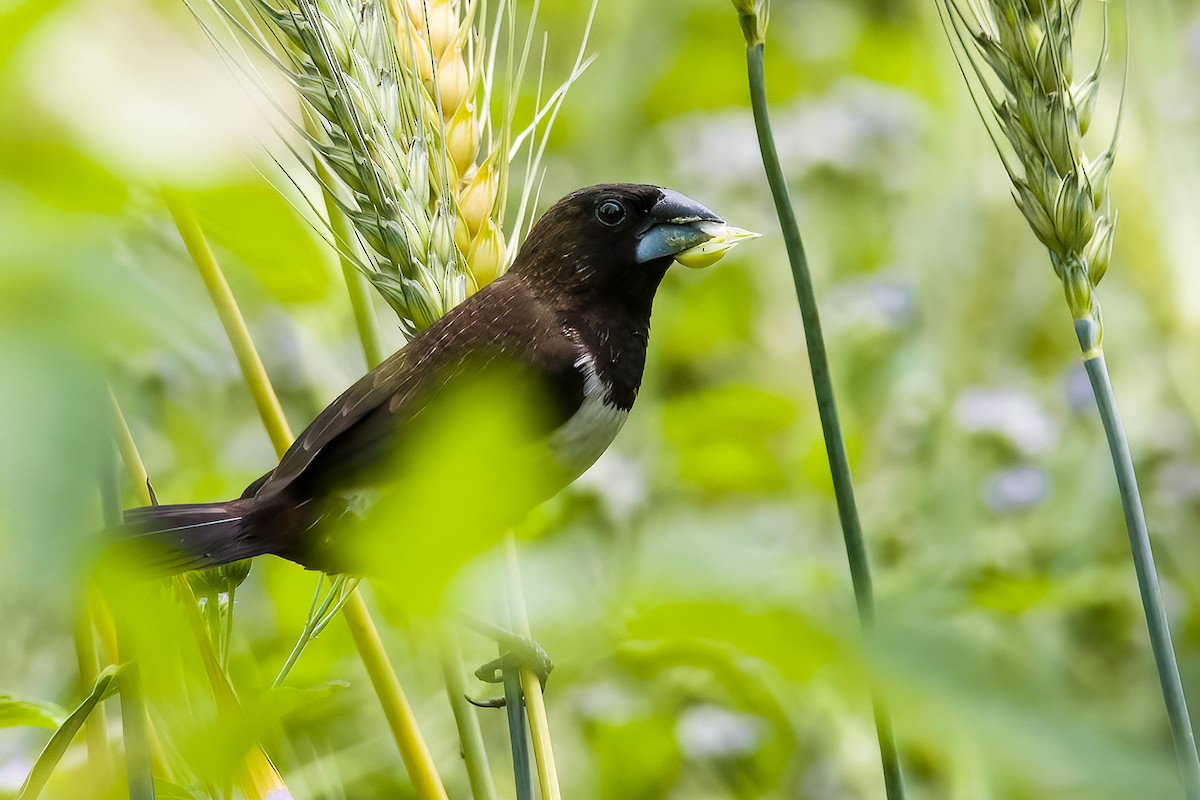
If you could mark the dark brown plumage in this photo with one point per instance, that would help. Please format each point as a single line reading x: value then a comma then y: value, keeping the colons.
x: 570, y: 320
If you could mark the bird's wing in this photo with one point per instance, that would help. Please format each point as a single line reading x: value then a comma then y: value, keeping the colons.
x: 496, y: 328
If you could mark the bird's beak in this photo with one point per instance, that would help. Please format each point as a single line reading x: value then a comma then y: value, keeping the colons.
x: 677, y: 223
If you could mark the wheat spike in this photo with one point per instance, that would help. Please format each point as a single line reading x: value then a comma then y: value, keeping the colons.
x: 1042, y: 112
x: 396, y: 100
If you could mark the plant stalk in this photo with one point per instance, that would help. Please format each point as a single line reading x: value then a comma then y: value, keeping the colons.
x: 400, y: 717
x: 835, y: 446
x: 465, y: 717
x: 1182, y: 734
x: 401, y: 720
x: 514, y: 710
x: 535, y: 703
x: 319, y: 615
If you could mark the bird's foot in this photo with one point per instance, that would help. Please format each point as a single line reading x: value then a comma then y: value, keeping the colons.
x: 520, y: 652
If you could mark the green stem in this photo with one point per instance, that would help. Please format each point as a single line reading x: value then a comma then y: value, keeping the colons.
x: 304, y: 638
x: 320, y: 614
x: 835, y: 446
x: 401, y: 720
x: 514, y: 709
x: 1143, y: 561
x: 465, y: 717
x: 535, y: 703
x: 227, y: 627
x: 133, y: 725
x: 212, y: 621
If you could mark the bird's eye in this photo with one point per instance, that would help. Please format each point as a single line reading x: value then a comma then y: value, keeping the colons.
x: 610, y: 213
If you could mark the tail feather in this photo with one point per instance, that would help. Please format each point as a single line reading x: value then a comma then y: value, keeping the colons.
x: 179, y: 538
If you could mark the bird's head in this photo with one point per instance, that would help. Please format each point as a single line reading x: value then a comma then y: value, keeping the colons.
x: 617, y: 239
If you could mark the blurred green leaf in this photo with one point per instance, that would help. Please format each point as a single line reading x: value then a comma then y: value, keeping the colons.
x: 637, y: 756
x: 711, y: 315
x: 284, y: 251
x: 17, y: 19
x: 729, y: 438
x: 280, y: 702
x: 785, y: 639
x: 170, y: 791
x: 464, y: 475
x: 16, y: 713
x: 57, y: 174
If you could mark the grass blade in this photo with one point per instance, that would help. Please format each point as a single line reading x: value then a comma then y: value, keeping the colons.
x: 52, y: 753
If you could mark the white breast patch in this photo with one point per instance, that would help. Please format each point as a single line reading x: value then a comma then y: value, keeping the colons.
x: 590, y: 430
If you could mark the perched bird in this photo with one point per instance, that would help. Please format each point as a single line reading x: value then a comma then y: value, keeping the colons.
x: 571, y: 320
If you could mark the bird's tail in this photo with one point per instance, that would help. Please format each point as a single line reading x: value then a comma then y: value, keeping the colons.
x: 185, y: 537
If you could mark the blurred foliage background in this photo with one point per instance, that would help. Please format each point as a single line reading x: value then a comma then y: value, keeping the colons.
x: 692, y: 587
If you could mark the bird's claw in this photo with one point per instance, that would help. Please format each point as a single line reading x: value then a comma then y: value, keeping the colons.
x: 495, y: 702
x: 522, y: 653
x: 519, y: 652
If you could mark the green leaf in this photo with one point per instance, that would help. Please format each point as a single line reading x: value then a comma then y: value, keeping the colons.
x: 105, y: 686
x: 16, y: 713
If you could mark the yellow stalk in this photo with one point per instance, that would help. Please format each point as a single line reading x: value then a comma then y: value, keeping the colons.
x: 253, y: 371
x: 413, y: 750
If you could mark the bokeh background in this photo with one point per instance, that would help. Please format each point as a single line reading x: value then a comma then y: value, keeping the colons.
x: 692, y: 587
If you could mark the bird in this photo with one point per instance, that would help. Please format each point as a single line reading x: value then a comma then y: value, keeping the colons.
x: 570, y: 322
